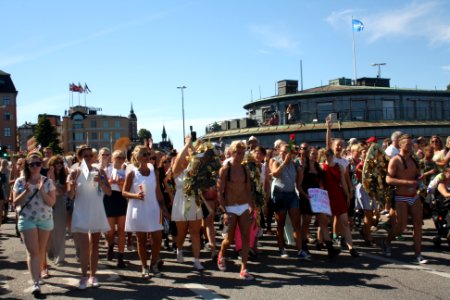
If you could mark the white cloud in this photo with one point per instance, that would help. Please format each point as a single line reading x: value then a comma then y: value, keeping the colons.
x: 338, y: 17
x: 446, y: 68
x: 273, y: 37
x: 425, y: 19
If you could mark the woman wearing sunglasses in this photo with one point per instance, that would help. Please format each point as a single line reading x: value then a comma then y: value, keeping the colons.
x: 145, y: 207
x: 86, y: 185
x: 34, y: 195
x: 116, y: 206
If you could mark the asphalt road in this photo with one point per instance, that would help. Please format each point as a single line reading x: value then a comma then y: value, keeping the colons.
x: 371, y: 276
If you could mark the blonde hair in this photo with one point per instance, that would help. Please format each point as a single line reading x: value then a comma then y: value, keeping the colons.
x: 117, y: 153
x: 236, y: 145
x: 136, y: 153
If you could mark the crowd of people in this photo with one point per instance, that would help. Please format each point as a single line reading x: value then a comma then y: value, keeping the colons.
x: 95, y: 194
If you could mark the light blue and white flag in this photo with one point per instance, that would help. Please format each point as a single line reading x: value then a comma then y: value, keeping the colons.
x: 357, y: 25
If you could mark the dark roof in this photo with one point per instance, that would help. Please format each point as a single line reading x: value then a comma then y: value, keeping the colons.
x: 293, y: 128
x: 6, y: 84
x: 341, y: 90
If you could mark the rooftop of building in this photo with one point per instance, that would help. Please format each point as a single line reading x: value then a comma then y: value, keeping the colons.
x: 6, y: 83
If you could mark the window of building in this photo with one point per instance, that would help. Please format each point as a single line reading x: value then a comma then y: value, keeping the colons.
x: 79, y: 136
x: 423, y: 110
x: 358, y: 110
x: 105, y: 124
x: 77, y: 125
x: 323, y: 110
x: 7, y: 131
x: 93, y: 123
x: 438, y: 110
x: 388, y: 110
x: 77, y: 117
x: 94, y: 135
x: 410, y: 109
x: 117, y: 124
x: 6, y: 100
x: 6, y: 116
x: 116, y: 135
x: 106, y: 136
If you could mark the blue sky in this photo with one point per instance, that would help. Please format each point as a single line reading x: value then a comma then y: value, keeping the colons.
x: 223, y: 51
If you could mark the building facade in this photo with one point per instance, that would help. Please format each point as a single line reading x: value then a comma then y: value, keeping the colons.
x: 83, y: 125
x: 25, y: 132
x: 8, y: 112
x: 369, y: 108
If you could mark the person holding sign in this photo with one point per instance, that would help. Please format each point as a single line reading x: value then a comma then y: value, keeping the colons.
x: 336, y: 185
x: 311, y: 176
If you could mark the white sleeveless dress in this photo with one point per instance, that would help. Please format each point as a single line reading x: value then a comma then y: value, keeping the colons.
x: 144, y: 215
x: 89, y: 214
x: 180, y: 209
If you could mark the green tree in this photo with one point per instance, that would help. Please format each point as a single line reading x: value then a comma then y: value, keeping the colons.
x: 46, y: 135
x: 144, y: 134
x: 448, y: 87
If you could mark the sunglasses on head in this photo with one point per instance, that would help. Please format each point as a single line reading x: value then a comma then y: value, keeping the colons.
x: 35, y: 164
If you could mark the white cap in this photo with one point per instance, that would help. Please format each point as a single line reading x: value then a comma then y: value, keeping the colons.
x: 252, y: 138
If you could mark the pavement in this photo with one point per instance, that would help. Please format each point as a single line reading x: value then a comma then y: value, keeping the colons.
x: 371, y: 276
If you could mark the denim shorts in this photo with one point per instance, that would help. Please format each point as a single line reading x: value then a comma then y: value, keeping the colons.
x: 26, y: 224
x: 285, y: 201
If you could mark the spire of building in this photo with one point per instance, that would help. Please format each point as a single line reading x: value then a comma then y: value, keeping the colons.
x: 164, y: 134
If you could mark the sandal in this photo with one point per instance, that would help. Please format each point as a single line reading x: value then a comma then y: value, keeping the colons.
x: 244, y: 274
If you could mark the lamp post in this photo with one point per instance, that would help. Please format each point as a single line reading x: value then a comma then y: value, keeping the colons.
x: 182, y: 107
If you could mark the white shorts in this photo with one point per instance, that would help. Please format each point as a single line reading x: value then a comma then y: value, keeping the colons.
x: 237, y: 209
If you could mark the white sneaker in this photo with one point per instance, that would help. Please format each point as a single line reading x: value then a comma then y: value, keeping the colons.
x: 93, y: 282
x: 180, y: 257
x: 83, y: 283
x: 421, y: 260
x: 283, y: 253
x: 198, y: 265
x: 36, y: 290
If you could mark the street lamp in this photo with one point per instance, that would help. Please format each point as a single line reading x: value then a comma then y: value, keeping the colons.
x: 182, y: 107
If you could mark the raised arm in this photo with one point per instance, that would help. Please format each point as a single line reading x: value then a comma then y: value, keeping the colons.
x: 177, y: 166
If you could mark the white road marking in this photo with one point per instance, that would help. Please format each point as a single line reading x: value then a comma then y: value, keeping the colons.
x: 202, y: 291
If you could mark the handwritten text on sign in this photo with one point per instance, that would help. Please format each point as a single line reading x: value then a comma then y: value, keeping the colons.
x: 320, y: 202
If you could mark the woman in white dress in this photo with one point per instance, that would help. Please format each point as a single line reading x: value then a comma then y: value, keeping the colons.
x: 86, y: 186
x: 184, y: 216
x: 145, y: 207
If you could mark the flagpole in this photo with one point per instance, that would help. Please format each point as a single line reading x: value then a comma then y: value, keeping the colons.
x: 354, y: 54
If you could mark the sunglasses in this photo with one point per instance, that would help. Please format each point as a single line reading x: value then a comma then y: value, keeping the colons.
x: 105, y: 154
x: 58, y: 163
x: 88, y: 156
x: 145, y: 154
x: 120, y: 157
x: 153, y: 158
x: 35, y: 164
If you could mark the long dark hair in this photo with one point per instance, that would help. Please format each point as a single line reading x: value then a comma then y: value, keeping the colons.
x: 26, y: 170
x: 60, y: 176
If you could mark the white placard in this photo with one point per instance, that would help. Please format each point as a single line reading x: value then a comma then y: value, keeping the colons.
x: 320, y: 203
x: 84, y: 169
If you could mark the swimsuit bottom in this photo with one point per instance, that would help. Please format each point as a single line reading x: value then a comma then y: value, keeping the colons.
x: 237, y: 209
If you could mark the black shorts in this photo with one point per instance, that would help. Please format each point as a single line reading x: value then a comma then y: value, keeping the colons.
x: 305, y: 206
x: 115, y: 205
